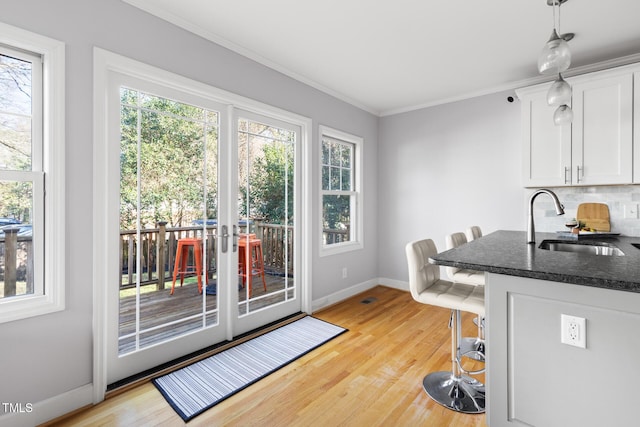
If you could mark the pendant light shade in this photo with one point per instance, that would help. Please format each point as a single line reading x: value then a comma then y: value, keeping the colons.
x: 555, y: 56
x: 554, y: 59
x: 563, y: 115
x: 559, y: 92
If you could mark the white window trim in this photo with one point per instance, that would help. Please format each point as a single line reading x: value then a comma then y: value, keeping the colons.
x: 357, y: 234
x: 53, y: 165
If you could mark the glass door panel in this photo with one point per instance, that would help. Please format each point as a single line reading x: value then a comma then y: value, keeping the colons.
x: 206, y: 224
x: 168, y: 199
x: 267, y: 206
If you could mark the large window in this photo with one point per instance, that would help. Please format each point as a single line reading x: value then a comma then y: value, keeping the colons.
x: 31, y: 174
x: 340, y: 192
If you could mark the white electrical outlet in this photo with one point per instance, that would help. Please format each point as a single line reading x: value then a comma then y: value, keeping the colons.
x: 573, y: 330
x: 344, y: 272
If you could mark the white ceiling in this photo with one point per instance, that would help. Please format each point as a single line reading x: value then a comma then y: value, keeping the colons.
x: 389, y: 56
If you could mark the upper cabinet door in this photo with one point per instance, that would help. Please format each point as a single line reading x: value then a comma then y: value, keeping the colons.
x: 636, y: 128
x: 602, y: 127
x: 547, y: 147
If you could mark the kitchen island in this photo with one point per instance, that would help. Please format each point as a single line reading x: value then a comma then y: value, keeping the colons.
x: 533, y: 379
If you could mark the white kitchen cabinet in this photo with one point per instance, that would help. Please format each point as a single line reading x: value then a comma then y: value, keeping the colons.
x: 636, y: 128
x: 547, y: 147
x: 596, y: 149
x: 602, y: 129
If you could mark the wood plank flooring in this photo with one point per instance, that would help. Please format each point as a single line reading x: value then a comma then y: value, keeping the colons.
x: 369, y: 376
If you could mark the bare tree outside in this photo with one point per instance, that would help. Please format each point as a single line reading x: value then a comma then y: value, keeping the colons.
x: 16, y: 191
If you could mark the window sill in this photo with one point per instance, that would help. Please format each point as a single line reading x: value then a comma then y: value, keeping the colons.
x: 22, y: 307
x: 340, y: 248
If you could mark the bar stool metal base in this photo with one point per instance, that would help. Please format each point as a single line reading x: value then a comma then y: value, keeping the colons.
x: 472, y: 347
x: 463, y: 394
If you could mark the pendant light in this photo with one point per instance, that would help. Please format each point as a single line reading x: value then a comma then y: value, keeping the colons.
x: 563, y: 115
x: 554, y: 59
x: 559, y: 92
x: 555, y: 56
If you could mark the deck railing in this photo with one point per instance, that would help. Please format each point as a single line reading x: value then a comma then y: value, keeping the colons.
x: 157, y: 253
x: 16, y: 262
x: 331, y: 236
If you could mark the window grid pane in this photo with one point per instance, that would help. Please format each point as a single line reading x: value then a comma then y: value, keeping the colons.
x: 15, y: 113
x: 337, y: 158
x: 336, y: 213
x: 157, y: 133
x: 17, y: 187
x: 338, y: 199
x: 16, y: 241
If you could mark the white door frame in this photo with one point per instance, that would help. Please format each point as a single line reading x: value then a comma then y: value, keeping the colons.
x: 106, y: 62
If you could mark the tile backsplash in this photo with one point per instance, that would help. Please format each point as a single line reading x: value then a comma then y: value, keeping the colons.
x: 616, y: 196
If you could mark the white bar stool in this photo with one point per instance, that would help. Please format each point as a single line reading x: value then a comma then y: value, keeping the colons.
x: 474, y: 232
x: 472, y: 347
x: 458, y: 392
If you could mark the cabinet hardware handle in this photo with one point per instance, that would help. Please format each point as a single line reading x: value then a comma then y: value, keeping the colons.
x: 580, y: 169
x: 567, y: 170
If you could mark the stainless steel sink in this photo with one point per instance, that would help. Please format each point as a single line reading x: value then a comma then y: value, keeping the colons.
x: 593, y: 248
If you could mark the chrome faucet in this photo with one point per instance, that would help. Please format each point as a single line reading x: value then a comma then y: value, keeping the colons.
x: 531, y: 230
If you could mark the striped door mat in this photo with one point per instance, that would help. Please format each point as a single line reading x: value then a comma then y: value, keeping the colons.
x: 197, y: 387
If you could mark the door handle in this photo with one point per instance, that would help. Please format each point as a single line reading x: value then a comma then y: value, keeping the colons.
x: 567, y: 170
x: 235, y: 238
x: 224, y: 236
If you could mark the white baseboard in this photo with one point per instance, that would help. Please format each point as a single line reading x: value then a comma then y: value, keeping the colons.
x: 32, y: 414
x: 356, y: 289
x: 342, y: 295
x: 392, y: 283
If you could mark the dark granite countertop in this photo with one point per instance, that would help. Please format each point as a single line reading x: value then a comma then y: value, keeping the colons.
x: 506, y: 252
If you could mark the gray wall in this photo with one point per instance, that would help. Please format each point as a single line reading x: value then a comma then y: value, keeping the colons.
x: 48, y: 355
x: 443, y: 169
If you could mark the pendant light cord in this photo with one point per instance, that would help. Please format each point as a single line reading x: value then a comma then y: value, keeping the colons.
x: 559, y: 4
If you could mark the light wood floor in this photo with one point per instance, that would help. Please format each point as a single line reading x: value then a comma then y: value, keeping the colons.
x: 369, y: 376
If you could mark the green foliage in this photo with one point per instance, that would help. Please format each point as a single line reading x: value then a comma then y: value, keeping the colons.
x: 172, y: 155
x: 16, y: 199
x: 336, y: 212
x: 336, y: 176
x: 169, y: 165
x: 271, y: 185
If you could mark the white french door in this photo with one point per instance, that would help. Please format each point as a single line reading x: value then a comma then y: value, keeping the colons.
x: 203, y: 229
x: 267, y: 156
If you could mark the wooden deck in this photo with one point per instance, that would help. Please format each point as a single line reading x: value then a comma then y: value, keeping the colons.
x: 164, y: 316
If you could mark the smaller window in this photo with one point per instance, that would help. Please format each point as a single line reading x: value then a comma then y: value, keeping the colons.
x: 340, y: 191
x: 32, y: 245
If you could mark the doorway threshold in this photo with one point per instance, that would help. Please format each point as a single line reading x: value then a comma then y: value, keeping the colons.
x: 135, y: 380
